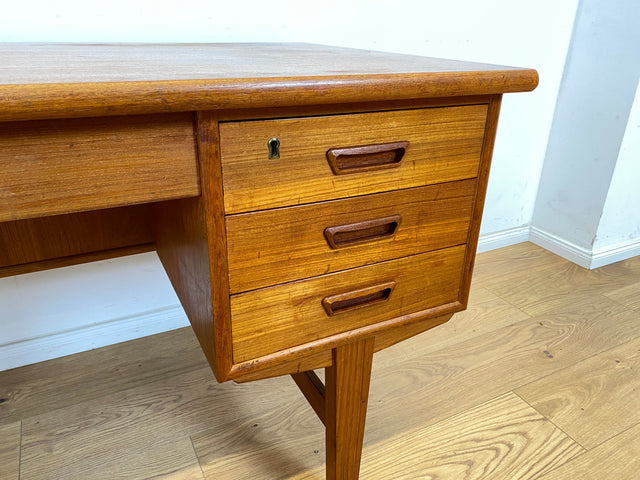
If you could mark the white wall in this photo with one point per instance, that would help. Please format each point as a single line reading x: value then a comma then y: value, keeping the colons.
x: 505, y: 32
x: 619, y: 227
x: 594, y: 103
x: 508, y: 32
x: 59, y: 312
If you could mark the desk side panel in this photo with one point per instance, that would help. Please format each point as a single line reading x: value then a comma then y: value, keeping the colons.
x: 181, y: 243
x: 480, y: 194
x: 191, y: 243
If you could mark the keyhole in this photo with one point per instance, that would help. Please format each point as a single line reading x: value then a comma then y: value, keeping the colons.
x: 274, y: 148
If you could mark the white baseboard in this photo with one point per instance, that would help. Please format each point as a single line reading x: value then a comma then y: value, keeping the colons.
x: 63, y: 343
x: 589, y: 259
x: 615, y: 253
x: 505, y: 238
x: 561, y: 247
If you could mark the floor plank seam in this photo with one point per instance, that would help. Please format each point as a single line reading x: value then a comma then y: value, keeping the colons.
x: 585, y: 450
x: 557, y: 467
x: 579, y: 360
x: 552, y: 423
x: 618, y: 302
x: 593, y: 354
x: 448, y: 418
x: 195, y: 452
x: 20, y: 451
x: 621, y: 432
x: 547, y: 375
x: 493, y: 292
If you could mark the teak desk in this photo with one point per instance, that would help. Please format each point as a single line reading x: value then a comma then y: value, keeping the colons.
x: 311, y: 205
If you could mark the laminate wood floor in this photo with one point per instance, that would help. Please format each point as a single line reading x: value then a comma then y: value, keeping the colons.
x: 538, y: 379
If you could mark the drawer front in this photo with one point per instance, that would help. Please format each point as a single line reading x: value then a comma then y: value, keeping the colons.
x: 52, y: 167
x: 444, y: 144
x: 271, y: 319
x: 276, y: 246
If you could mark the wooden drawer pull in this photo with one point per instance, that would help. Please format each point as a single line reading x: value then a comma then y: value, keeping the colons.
x: 362, y: 232
x: 366, y: 158
x: 364, y: 297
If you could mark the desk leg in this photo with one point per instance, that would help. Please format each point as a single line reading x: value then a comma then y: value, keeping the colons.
x: 347, y: 394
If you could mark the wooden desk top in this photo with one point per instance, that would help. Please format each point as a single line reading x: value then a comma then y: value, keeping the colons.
x: 39, y: 81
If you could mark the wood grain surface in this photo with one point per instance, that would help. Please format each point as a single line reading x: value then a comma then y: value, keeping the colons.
x: 314, y: 391
x: 137, y: 457
x: 490, y: 132
x: 28, y: 241
x: 605, y: 388
x: 281, y: 245
x: 347, y: 395
x: 627, y: 295
x: 476, y: 370
x: 445, y: 145
x: 274, y: 318
x: 531, y: 295
x: 617, y: 459
x: 105, y: 372
x: 117, y: 79
x: 56, y: 167
x: 10, y: 441
x: 504, y: 265
x: 192, y: 247
x: 503, y: 439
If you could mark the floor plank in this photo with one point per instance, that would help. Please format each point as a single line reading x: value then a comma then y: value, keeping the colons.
x: 617, y: 459
x: 279, y: 442
x: 104, y: 434
x: 628, y: 296
x: 138, y: 433
x: 593, y: 400
x: 503, y: 439
x: 38, y: 388
x: 427, y: 389
x: 499, y: 265
x: 421, y: 389
x: 485, y: 313
x: 543, y: 291
x: 175, y: 461
x: 10, y: 451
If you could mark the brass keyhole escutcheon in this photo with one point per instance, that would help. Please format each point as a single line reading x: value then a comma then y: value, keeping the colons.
x: 274, y: 148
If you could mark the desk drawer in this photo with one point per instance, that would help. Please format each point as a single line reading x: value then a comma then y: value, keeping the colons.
x: 275, y: 318
x: 277, y: 246
x: 51, y: 167
x: 443, y: 144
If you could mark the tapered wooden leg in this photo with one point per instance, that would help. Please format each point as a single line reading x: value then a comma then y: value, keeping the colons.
x: 347, y: 394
